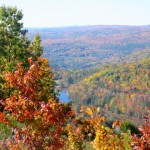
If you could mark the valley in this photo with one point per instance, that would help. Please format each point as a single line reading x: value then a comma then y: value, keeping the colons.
x: 104, y: 66
x: 73, y: 88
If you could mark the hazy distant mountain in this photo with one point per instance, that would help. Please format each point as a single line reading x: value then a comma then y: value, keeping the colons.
x: 82, y: 47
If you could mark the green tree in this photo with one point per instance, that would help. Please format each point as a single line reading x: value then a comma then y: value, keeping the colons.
x: 14, y: 45
x: 13, y: 40
x: 35, y: 47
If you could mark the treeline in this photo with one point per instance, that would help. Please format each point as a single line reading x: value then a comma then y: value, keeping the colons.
x: 122, y: 89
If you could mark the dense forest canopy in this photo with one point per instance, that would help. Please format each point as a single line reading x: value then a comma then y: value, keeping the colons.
x: 88, y: 46
x: 65, y: 78
x: 122, y: 88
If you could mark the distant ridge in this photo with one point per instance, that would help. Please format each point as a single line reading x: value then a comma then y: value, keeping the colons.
x: 80, y: 47
x: 76, y: 26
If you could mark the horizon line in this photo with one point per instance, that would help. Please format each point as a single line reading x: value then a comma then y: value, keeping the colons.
x: 66, y: 26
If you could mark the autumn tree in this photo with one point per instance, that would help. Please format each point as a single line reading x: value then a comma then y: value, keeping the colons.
x: 42, y: 115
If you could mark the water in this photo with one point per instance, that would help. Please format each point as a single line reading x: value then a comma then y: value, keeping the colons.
x: 63, y: 96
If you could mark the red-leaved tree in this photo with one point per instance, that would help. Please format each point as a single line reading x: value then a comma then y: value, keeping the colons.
x: 33, y: 103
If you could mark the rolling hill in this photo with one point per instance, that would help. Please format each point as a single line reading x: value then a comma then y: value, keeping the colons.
x: 87, y: 46
x: 122, y: 89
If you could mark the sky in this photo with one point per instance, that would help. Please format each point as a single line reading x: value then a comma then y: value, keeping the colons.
x: 57, y: 13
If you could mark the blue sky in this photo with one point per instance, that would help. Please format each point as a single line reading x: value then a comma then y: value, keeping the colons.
x: 54, y: 13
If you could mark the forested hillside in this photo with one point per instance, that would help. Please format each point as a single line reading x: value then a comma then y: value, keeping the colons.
x: 88, y: 46
x: 120, y: 88
x: 33, y: 118
x: 65, y: 78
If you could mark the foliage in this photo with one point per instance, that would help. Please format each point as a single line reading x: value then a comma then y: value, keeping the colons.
x: 75, y: 137
x: 128, y: 126
x: 4, y: 131
x: 14, y: 45
x: 34, y: 119
x: 103, y: 137
x: 44, y: 118
x: 13, y: 40
x: 143, y: 142
x: 35, y: 47
x: 92, y: 130
x: 65, y: 78
x: 124, y: 89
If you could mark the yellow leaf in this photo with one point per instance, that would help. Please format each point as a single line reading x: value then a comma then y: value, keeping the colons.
x: 89, y: 111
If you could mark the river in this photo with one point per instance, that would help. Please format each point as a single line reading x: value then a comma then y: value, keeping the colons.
x: 64, y: 96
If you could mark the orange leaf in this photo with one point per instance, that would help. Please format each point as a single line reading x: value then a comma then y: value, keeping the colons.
x: 2, y: 117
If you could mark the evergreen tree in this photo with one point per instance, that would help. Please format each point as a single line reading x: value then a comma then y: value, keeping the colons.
x: 35, y: 47
x: 14, y: 45
x: 13, y: 40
